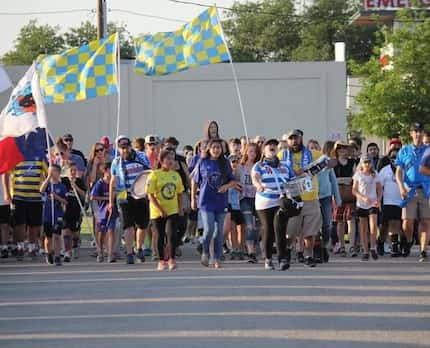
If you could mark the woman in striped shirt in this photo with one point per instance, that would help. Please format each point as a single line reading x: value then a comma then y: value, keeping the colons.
x: 268, y: 176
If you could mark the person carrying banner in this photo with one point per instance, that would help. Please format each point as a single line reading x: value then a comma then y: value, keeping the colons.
x: 414, y: 188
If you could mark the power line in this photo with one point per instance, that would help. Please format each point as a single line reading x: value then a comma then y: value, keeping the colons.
x: 46, y: 12
x: 147, y: 15
x: 297, y: 16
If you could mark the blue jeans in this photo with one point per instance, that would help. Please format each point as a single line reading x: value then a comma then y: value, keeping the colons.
x: 327, y: 218
x: 209, y: 218
x: 247, y: 208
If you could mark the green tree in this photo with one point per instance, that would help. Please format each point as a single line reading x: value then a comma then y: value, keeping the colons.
x: 326, y: 22
x: 391, y: 100
x: 34, y: 39
x: 87, y: 32
x: 262, y: 31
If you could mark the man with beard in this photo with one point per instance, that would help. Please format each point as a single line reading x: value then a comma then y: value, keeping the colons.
x: 308, y: 223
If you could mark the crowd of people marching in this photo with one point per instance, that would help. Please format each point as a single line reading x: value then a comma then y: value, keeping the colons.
x: 147, y: 198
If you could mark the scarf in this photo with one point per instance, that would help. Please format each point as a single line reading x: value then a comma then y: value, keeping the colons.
x: 305, y: 160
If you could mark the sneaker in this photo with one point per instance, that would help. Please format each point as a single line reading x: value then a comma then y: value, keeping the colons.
x: 423, y: 256
x: 342, y: 252
x: 407, y: 249
x: 20, y: 255
x: 252, y: 258
x: 130, y: 259
x: 185, y: 239
x: 387, y: 248
x: 172, y: 265
x: 241, y: 256
x: 309, y: 262
x: 217, y: 265
x: 283, y: 265
x: 205, y: 260
x: 155, y: 258
x: 100, y: 259
x: 75, y: 253
x: 300, y: 257
x: 233, y: 255
x: 49, y: 258
x: 268, y: 265
x: 140, y: 257
x: 225, y: 249
x: 4, y: 254
x: 111, y: 259
x: 67, y: 258
x: 147, y: 252
x: 365, y: 257
x: 374, y: 254
x: 336, y: 248
x: 353, y: 252
x: 57, y: 261
x: 161, y: 265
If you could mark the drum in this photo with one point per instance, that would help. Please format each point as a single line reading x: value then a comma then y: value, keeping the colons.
x: 317, y: 166
x: 138, y: 189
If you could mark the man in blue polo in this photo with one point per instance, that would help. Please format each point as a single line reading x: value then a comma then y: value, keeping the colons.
x: 414, y: 189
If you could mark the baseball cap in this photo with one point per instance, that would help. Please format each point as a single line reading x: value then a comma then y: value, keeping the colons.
x: 105, y: 140
x: 293, y: 133
x: 151, y: 139
x: 123, y: 138
x: 417, y: 126
x: 271, y: 141
x: 395, y: 141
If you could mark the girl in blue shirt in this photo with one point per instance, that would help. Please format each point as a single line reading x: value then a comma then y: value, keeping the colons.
x: 213, y: 175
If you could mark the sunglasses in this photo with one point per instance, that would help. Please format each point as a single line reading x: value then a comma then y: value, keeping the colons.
x: 234, y: 161
x: 123, y: 146
x: 59, y: 154
x: 99, y: 150
x: 68, y: 140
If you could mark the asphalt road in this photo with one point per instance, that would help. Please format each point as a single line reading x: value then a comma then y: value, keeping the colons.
x: 346, y: 303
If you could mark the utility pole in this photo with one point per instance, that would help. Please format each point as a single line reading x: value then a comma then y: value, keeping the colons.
x: 101, y: 19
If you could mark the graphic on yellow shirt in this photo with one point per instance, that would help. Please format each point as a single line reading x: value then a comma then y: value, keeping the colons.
x: 165, y: 185
x: 297, y: 164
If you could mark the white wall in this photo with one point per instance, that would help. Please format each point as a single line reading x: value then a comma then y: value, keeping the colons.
x: 277, y: 97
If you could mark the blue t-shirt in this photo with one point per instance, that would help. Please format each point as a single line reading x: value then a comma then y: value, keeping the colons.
x: 101, y: 189
x: 209, y: 176
x: 409, y: 159
x: 61, y: 190
x: 126, y: 171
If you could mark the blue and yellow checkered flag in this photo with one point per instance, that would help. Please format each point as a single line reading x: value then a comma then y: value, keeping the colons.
x: 199, y: 42
x: 80, y: 73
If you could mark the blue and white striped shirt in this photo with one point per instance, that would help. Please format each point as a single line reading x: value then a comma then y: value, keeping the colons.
x: 272, y: 179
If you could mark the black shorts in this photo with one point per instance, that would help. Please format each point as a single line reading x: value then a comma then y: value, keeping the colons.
x: 49, y: 230
x: 134, y: 212
x: 4, y: 214
x: 236, y: 217
x: 73, y: 222
x: 360, y: 212
x: 27, y: 213
x: 391, y: 212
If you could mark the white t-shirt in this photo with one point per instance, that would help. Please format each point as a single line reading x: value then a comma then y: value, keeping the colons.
x: 391, y: 189
x: 367, y: 187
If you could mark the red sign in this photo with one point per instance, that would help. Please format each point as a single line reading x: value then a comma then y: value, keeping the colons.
x: 375, y: 5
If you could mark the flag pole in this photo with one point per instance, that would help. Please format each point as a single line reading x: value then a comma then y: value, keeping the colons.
x: 118, y: 74
x: 42, y: 122
x: 236, y: 82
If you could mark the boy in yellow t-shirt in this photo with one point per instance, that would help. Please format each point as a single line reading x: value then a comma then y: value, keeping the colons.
x: 164, y: 189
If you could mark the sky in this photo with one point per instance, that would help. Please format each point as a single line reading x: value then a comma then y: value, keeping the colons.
x: 11, y: 24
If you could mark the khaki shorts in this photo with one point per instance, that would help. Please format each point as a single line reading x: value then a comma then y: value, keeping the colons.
x: 307, y: 223
x: 417, y: 208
